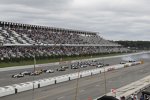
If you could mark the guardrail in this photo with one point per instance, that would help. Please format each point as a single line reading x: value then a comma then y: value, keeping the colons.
x: 17, y: 88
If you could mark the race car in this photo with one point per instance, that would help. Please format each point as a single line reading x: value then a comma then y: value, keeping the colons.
x: 17, y: 76
x: 106, y: 64
x: 83, y: 66
x: 65, y: 67
x: 50, y: 71
x: 122, y: 62
x: 44, y: 70
x: 40, y: 71
x: 74, y: 67
x: 100, y: 66
x: 35, y: 73
x: 61, y: 69
x: 131, y: 61
x: 25, y: 73
x: 92, y: 64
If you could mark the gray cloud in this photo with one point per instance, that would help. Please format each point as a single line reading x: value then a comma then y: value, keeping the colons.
x: 113, y: 19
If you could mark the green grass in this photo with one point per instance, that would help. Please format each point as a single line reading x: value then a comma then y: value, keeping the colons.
x: 50, y: 60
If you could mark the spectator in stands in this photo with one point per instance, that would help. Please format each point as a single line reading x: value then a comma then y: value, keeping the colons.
x: 142, y: 97
x: 132, y: 97
x: 146, y: 97
x: 28, y: 37
x: 135, y: 97
x: 123, y: 98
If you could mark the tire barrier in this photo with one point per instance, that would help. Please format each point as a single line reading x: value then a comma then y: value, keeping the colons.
x: 17, y: 88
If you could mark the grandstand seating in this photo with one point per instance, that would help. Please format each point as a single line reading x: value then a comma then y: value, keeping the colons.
x: 24, y: 36
x: 21, y: 42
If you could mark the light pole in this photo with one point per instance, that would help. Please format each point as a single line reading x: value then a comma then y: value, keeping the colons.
x: 34, y: 68
x: 33, y: 73
x: 77, y: 84
x: 105, y: 81
x: 104, y: 78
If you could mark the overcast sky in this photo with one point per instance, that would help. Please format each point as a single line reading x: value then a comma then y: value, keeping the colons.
x: 113, y: 19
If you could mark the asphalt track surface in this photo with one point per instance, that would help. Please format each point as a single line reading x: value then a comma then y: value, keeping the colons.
x: 5, y: 77
x: 89, y: 87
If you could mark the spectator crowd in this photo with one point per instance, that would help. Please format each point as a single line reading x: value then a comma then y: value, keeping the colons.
x: 10, y: 38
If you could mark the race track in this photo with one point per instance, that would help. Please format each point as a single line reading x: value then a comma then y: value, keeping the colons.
x: 92, y: 86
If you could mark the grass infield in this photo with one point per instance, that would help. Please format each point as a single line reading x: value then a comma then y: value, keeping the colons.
x: 50, y: 60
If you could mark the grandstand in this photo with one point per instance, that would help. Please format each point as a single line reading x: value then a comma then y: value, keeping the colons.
x: 25, y: 41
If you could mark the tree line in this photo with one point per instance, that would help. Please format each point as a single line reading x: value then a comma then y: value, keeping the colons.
x: 140, y: 45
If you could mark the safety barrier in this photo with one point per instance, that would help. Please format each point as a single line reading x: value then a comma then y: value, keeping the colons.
x: 36, y: 84
x: 73, y: 76
x: 96, y: 71
x: 86, y: 73
x: 16, y: 88
x: 46, y: 82
x: 119, y: 66
x: 7, y: 90
x: 23, y: 87
x: 60, y: 79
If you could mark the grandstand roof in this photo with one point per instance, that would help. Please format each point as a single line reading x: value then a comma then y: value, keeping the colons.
x: 28, y: 26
